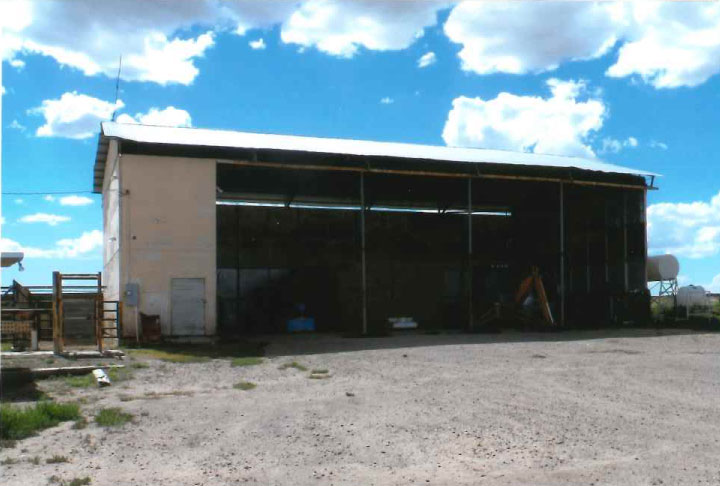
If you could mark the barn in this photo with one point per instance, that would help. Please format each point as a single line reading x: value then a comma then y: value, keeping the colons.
x: 213, y: 233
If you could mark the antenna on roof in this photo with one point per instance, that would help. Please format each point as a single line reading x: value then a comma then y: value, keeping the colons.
x: 117, y: 88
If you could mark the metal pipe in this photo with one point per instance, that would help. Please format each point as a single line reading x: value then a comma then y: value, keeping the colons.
x: 562, y: 255
x: 587, y: 257
x: 363, y: 261
x: 469, y: 255
x: 644, y: 223
x: 245, y: 163
x: 625, y: 243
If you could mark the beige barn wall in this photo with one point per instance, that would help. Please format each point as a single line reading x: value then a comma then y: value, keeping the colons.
x: 111, y: 225
x: 168, y: 231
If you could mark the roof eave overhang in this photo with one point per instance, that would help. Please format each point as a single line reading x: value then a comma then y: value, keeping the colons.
x: 100, y: 161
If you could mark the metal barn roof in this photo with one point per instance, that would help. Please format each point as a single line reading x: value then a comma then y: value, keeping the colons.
x: 198, y: 137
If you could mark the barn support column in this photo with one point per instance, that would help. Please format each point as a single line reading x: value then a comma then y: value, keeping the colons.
x: 562, y: 254
x: 363, y: 262
x: 645, y: 240
x: 625, y: 243
x: 470, y: 256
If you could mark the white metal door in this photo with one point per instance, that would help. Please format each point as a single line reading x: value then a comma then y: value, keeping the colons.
x: 188, y: 306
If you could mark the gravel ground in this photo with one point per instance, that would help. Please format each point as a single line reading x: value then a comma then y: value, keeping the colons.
x: 587, y: 408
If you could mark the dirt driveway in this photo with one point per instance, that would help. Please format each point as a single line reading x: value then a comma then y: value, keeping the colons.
x: 635, y: 408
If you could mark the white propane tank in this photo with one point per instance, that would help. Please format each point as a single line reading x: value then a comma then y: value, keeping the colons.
x: 691, y: 296
x: 662, y: 267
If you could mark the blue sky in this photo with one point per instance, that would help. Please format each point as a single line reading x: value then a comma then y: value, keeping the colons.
x: 632, y: 85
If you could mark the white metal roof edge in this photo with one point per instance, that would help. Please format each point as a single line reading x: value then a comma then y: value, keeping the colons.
x: 261, y: 141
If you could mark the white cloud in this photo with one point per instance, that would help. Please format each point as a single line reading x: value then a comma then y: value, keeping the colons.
x: 341, y: 28
x: 156, y: 45
x: 50, y: 219
x: 714, y: 285
x: 17, y: 63
x: 73, y: 115
x: 521, y: 37
x: 613, y: 145
x: 84, y: 245
x: 78, y: 116
x: 427, y: 59
x: 144, y: 32
x: 387, y: 100
x: 16, y: 125
x: 74, y: 200
x: 168, y: 117
x: 49, y: 198
x: 671, y: 44
x: 668, y: 44
x: 685, y: 229
x: 258, y: 44
x: 658, y: 145
x: 560, y: 124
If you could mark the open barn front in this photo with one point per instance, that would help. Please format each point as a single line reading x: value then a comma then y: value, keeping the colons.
x: 441, y: 251
x: 214, y: 232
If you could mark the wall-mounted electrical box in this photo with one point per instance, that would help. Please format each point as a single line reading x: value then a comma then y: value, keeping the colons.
x: 132, y: 294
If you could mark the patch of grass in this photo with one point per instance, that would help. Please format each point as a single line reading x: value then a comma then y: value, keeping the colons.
x: 112, y: 417
x: 80, y: 423
x: 8, y: 461
x: 80, y: 481
x: 246, y: 361
x: 21, y: 422
x: 88, y: 380
x: 169, y: 356
x: 83, y: 481
x: 175, y: 393
x: 34, y: 460
x: 198, y: 353
x: 320, y: 372
x: 80, y: 381
x: 244, y: 385
x: 292, y: 364
x: 56, y: 459
x: 139, y: 365
x: 6, y: 346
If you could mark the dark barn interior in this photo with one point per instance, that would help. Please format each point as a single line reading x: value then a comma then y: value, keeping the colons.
x: 439, y: 242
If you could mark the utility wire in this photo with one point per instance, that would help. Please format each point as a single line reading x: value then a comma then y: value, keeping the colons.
x: 44, y: 193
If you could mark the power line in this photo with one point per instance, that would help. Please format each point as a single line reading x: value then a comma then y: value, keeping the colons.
x: 44, y: 193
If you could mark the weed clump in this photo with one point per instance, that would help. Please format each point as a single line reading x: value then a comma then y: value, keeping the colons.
x: 246, y: 361
x: 112, y: 417
x: 56, y: 459
x: 244, y: 385
x: 292, y: 364
x: 21, y: 422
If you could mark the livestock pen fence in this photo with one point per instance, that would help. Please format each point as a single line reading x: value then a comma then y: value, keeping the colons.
x: 68, y: 315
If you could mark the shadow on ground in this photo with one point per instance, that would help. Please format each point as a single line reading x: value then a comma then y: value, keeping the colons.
x: 319, y: 343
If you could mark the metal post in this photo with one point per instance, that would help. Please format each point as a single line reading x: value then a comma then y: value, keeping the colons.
x: 625, y: 243
x: 645, y: 240
x: 587, y: 257
x: 57, y: 314
x: 469, y: 256
x: 362, y: 246
x: 99, y: 313
x: 607, y: 262
x: 562, y: 255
